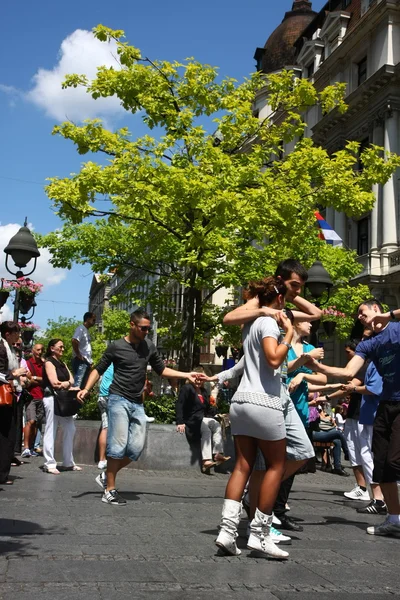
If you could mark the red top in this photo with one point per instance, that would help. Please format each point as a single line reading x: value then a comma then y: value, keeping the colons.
x: 36, y: 369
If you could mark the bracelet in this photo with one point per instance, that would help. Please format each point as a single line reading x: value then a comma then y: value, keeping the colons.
x: 392, y: 315
x: 285, y: 344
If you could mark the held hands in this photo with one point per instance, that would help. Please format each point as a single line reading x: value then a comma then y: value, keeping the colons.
x: 296, y: 381
x: 197, y: 378
x: 181, y: 428
x: 20, y: 371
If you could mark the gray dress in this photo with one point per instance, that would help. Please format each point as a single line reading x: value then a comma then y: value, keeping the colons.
x: 256, y: 408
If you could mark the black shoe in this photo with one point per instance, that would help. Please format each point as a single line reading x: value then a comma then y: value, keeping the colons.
x: 373, y: 508
x: 340, y: 472
x: 288, y: 523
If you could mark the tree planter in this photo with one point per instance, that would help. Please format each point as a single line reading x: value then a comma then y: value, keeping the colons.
x: 221, y: 351
x: 3, y: 298
x: 329, y: 327
x: 27, y: 336
x: 25, y: 302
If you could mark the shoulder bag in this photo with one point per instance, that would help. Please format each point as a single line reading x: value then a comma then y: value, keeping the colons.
x: 66, y: 403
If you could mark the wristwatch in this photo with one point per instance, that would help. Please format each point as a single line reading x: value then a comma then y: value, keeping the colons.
x: 34, y: 378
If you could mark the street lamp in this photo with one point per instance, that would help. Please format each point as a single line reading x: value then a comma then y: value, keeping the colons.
x: 318, y: 281
x: 22, y: 248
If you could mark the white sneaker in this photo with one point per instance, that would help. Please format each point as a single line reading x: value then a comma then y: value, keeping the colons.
x: 101, y: 480
x: 386, y: 528
x: 102, y: 464
x: 276, y: 521
x: 150, y: 419
x: 278, y: 537
x: 266, y: 546
x: 26, y: 453
x: 357, y: 494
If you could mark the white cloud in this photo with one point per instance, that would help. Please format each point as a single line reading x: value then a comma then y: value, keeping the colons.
x: 6, y: 314
x: 44, y: 273
x: 80, y: 53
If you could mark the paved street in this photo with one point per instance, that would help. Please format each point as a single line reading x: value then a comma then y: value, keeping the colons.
x: 59, y: 541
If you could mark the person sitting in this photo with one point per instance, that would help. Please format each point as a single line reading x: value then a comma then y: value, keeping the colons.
x: 327, y: 432
x: 195, y: 418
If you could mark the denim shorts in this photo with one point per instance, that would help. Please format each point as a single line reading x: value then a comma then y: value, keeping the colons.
x: 102, y: 404
x: 127, y: 427
x: 298, y: 444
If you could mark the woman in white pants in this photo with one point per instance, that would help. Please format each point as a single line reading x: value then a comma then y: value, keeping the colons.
x: 57, y: 376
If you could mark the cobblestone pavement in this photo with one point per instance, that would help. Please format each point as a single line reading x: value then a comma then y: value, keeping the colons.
x: 59, y: 541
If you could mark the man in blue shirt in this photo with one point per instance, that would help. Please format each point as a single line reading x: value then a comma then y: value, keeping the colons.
x: 384, y: 351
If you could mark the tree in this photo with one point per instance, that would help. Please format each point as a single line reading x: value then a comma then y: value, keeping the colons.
x: 195, y: 208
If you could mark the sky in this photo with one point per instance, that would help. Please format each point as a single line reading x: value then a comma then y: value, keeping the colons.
x: 45, y: 40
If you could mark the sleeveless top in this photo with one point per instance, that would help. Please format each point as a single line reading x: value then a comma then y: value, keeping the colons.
x: 61, y: 372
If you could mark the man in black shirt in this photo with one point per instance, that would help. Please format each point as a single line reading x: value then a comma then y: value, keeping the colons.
x: 126, y: 433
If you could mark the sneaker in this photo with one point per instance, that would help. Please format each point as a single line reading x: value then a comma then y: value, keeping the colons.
x: 373, y: 508
x: 357, y: 494
x: 34, y: 453
x: 386, y: 528
x: 112, y: 497
x: 102, y: 464
x: 278, y: 537
x: 150, y: 419
x: 26, y: 453
x: 101, y: 480
x: 276, y: 521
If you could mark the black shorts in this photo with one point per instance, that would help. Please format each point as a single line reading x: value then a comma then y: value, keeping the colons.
x: 386, y: 443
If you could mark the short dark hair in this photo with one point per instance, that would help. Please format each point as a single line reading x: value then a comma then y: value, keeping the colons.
x: 289, y: 266
x: 352, y: 344
x: 138, y: 315
x: 9, y: 327
x: 87, y: 316
x: 370, y: 303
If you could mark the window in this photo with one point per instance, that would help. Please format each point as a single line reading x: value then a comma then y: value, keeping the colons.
x: 362, y: 71
x: 310, y: 70
x: 363, y: 236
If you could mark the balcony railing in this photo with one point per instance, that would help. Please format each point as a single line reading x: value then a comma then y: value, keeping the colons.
x: 394, y: 259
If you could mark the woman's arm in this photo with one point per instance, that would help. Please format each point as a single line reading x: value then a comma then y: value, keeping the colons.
x: 53, y: 379
x: 248, y: 312
x: 274, y: 352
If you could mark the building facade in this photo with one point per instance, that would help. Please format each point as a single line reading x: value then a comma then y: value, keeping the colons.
x: 356, y: 42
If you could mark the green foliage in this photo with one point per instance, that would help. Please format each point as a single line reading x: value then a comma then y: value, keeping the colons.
x: 90, y: 410
x: 162, y: 408
x: 116, y: 323
x: 63, y: 329
x: 347, y: 299
x: 194, y: 209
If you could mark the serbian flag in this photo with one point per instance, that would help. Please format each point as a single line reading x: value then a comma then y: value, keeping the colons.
x: 326, y: 232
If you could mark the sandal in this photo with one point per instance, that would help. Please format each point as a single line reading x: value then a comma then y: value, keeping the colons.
x: 16, y: 462
x: 205, y: 468
x: 52, y: 471
x: 8, y: 482
x: 221, y: 459
x: 73, y: 468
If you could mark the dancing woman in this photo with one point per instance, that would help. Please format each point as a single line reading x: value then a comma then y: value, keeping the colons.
x: 257, y: 421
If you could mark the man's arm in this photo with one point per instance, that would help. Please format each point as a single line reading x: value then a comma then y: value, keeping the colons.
x: 75, y: 347
x: 383, y: 319
x: 167, y: 372
x: 248, y: 312
x: 347, y: 373
x: 306, y: 310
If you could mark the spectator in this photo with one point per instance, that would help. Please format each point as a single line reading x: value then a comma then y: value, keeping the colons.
x: 195, y: 417
x: 10, y: 371
x: 82, y: 350
x: 105, y: 383
x: 327, y: 432
x: 34, y: 409
x: 57, y: 376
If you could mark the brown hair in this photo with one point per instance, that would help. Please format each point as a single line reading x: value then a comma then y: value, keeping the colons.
x: 266, y: 290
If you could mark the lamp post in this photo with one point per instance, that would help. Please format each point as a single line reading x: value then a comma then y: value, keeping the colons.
x: 318, y: 283
x: 22, y: 248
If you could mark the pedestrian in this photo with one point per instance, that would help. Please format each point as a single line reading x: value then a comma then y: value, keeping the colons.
x: 34, y: 409
x: 105, y: 383
x: 195, y: 418
x: 257, y: 422
x: 10, y: 371
x: 127, y: 425
x: 82, y: 350
x: 383, y: 349
x: 57, y: 376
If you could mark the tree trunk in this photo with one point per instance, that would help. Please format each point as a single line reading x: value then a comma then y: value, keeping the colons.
x: 198, y: 327
x: 188, y: 314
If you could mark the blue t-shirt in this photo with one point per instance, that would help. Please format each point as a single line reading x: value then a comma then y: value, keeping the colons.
x: 384, y: 351
x: 370, y: 402
x: 300, y: 396
x: 106, y: 381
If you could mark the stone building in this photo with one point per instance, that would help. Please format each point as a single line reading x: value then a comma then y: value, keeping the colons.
x: 356, y: 42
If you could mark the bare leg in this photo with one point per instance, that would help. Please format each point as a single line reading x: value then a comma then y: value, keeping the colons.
x: 245, y: 450
x: 102, y: 444
x: 113, y: 466
x: 391, y: 496
x: 359, y: 475
x: 274, y: 454
x: 376, y: 491
x: 28, y: 430
x: 292, y: 466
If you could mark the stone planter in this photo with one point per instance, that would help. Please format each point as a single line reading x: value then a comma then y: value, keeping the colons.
x: 221, y: 351
x: 27, y: 336
x: 25, y: 302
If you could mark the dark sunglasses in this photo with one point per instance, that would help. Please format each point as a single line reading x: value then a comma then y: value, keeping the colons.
x: 143, y: 327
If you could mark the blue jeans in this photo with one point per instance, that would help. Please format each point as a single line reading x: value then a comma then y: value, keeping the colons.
x: 338, y: 439
x: 127, y: 427
x: 81, y: 371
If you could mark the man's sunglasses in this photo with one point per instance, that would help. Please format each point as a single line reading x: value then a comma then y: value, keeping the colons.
x: 143, y: 327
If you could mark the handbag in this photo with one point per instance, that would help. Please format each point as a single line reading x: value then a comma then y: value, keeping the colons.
x: 66, y: 403
x: 25, y: 397
x: 6, y: 394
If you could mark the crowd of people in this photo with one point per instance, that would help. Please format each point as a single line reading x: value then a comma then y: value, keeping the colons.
x: 281, y: 409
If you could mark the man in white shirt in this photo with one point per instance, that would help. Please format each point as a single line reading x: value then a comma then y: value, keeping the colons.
x: 82, y: 350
